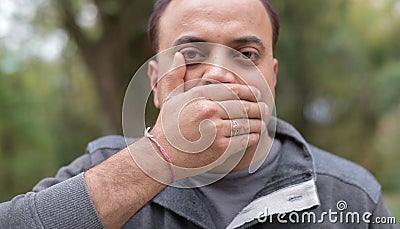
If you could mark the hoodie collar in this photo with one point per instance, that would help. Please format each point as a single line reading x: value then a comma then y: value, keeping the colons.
x: 294, y: 181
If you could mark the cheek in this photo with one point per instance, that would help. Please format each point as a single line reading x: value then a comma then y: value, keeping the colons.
x: 269, y: 83
x: 263, y: 79
x: 268, y: 74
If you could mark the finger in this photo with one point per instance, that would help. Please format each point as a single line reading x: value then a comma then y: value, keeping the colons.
x: 173, y: 81
x: 233, y: 109
x: 241, y: 142
x: 222, y: 92
x: 244, y: 126
x: 245, y: 92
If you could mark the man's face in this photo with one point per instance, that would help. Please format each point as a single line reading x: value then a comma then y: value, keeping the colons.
x: 242, y: 25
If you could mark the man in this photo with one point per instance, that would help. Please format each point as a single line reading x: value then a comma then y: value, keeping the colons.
x: 297, y: 186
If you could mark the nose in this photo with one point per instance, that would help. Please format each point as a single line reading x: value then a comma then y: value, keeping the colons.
x: 217, y: 74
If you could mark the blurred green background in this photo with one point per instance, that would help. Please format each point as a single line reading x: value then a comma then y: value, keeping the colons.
x: 65, y: 65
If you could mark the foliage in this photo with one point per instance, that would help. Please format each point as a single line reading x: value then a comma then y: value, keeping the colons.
x: 339, y: 78
x: 48, y: 110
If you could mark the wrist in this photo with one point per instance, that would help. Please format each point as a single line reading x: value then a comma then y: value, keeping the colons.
x: 151, y: 161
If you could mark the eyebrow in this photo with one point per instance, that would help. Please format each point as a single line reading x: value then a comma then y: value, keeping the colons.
x: 239, y: 41
x: 188, y: 39
x: 249, y: 40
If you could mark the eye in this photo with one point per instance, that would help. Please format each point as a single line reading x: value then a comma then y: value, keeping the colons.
x: 253, y: 56
x: 247, y: 56
x: 193, y: 55
x: 190, y: 54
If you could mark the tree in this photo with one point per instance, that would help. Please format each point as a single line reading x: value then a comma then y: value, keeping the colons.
x: 118, y: 47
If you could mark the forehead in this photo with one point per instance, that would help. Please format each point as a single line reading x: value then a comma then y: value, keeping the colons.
x: 217, y: 21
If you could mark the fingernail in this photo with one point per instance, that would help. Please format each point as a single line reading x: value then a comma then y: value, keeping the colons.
x: 174, y: 61
x: 263, y: 127
x: 259, y: 94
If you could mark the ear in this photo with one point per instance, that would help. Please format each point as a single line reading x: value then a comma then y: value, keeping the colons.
x: 276, y: 69
x: 152, y: 73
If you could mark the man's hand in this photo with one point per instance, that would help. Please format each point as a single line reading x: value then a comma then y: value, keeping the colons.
x: 195, y: 126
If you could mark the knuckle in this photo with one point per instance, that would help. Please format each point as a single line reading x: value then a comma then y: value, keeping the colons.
x: 247, y: 108
x: 207, y: 109
x: 255, y: 92
x: 219, y: 126
x: 235, y: 89
x: 208, y: 125
x: 246, y: 128
x: 253, y: 139
x: 196, y: 92
x: 263, y: 107
x: 221, y: 144
x: 258, y: 126
x: 244, y: 141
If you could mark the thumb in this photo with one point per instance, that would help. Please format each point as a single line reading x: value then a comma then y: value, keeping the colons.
x: 172, y: 83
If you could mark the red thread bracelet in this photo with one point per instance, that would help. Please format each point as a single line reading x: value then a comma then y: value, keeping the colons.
x: 163, y: 152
